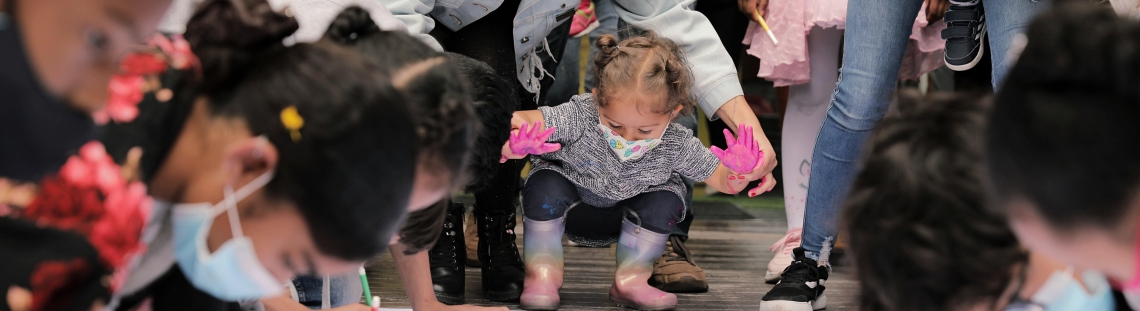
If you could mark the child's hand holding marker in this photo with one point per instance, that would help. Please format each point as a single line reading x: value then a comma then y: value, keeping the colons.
x: 530, y: 140
x: 760, y: 19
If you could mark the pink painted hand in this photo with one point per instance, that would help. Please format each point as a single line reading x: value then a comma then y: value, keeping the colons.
x: 530, y: 140
x: 741, y: 155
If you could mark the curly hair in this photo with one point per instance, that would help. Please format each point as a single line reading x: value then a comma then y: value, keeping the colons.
x: 920, y: 233
x: 646, y: 63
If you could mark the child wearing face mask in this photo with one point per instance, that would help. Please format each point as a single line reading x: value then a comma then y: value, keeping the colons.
x: 617, y: 148
x: 920, y: 233
x: 1072, y: 193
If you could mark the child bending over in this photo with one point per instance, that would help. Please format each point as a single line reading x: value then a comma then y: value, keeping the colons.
x: 619, y: 150
x: 922, y: 237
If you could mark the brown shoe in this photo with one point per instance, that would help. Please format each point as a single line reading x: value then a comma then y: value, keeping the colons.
x: 675, y: 271
x: 472, y: 237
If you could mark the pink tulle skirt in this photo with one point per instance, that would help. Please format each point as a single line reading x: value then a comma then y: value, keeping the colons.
x: 791, y: 20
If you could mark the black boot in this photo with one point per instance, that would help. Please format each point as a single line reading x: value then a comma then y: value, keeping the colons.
x: 447, y: 258
x: 499, y: 255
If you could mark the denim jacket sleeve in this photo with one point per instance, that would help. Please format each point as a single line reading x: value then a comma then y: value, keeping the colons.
x: 414, y: 14
x: 713, y: 69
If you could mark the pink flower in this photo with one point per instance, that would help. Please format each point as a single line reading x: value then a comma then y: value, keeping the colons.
x: 122, y: 105
x: 93, y: 168
x: 178, y: 50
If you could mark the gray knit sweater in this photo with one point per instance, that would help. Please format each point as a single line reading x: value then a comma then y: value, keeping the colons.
x: 587, y: 161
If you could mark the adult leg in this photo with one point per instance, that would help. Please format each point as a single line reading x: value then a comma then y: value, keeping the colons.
x: 807, y: 106
x: 491, y: 40
x: 1005, y: 20
x: 645, y: 234
x: 874, y: 44
x: 875, y: 41
x: 546, y: 198
x: 566, y: 86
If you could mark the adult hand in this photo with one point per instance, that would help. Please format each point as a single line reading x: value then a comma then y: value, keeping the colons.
x: 935, y: 9
x: 736, y: 111
x: 747, y: 6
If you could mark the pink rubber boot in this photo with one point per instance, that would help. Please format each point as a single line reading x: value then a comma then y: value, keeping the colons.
x: 543, y: 259
x: 637, y: 249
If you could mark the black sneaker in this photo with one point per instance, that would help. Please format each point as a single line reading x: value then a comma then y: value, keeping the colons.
x: 965, y: 34
x: 800, y: 289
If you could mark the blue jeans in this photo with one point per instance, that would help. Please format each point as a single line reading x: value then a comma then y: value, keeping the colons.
x: 343, y: 290
x: 873, y: 47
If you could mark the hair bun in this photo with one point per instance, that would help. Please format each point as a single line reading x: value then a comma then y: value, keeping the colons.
x: 350, y: 24
x: 228, y: 35
x: 238, y: 24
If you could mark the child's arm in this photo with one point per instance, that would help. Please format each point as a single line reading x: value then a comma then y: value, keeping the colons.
x: 415, y: 273
x: 725, y: 180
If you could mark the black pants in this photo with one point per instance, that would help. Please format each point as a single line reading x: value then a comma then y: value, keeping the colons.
x: 491, y: 40
x: 548, y: 194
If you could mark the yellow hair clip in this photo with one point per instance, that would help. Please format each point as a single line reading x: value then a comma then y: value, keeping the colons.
x: 293, y: 122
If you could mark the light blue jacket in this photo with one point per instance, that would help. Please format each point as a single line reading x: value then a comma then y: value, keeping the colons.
x: 713, y: 69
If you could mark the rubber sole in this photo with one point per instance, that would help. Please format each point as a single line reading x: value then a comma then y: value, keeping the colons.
x: 784, y: 305
x: 511, y: 296
x: 773, y: 277
x: 977, y: 58
x: 687, y: 285
x: 588, y: 29
x: 539, y: 303
x: 626, y: 304
x: 449, y: 299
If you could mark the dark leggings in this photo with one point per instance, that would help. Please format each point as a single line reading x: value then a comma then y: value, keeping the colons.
x: 548, y: 194
x: 491, y: 40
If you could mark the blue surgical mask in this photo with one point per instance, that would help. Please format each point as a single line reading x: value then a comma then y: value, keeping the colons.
x: 233, y: 272
x: 1062, y: 292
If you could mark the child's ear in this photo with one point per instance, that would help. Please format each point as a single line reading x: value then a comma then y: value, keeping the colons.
x: 677, y: 111
x: 594, y: 91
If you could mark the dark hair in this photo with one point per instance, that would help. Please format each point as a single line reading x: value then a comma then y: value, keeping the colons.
x: 448, y: 121
x: 349, y: 171
x: 1065, y: 128
x: 644, y: 62
x: 920, y: 233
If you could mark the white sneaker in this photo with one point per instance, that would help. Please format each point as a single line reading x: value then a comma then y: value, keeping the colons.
x: 783, y: 249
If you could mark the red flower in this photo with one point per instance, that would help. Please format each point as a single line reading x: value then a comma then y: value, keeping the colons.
x: 122, y: 103
x: 116, y: 234
x: 51, y: 279
x: 64, y: 205
x: 142, y: 63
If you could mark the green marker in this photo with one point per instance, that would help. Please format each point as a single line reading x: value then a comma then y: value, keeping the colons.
x: 364, y: 282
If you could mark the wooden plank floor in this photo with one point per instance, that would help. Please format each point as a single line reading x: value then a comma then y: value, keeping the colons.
x: 734, y: 254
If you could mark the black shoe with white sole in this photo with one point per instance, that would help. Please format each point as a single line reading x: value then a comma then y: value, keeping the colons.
x: 965, y: 34
x: 800, y: 289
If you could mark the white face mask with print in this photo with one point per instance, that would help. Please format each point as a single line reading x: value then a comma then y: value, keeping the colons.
x: 629, y: 150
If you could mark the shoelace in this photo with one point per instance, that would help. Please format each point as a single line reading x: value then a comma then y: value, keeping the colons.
x: 444, y: 252
x: 500, y: 239
x: 675, y: 250
x: 799, y: 272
